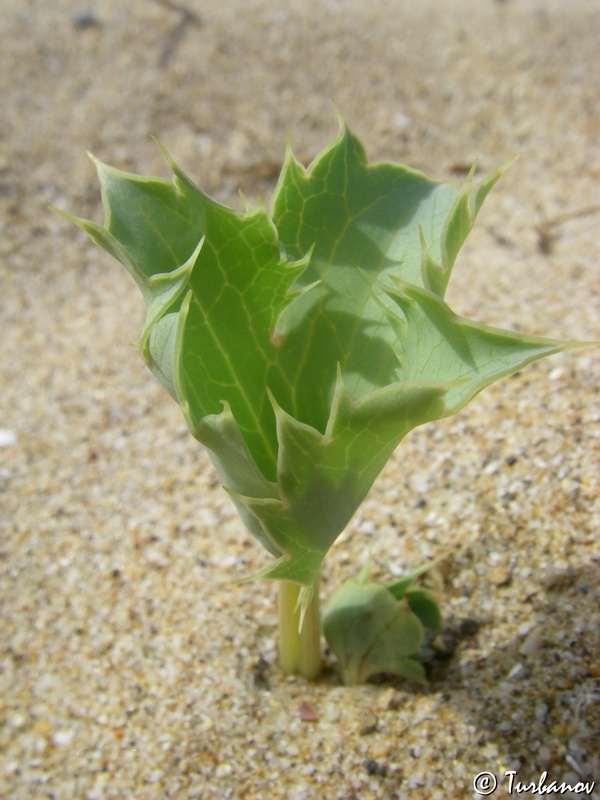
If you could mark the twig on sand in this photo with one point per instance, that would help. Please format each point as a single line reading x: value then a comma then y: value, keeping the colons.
x: 173, y: 38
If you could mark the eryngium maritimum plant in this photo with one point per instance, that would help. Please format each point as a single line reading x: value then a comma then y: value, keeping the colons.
x: 304, y: 343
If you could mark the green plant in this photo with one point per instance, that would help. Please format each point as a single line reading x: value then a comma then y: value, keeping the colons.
x: 375, y: 628
x: 304, y: 343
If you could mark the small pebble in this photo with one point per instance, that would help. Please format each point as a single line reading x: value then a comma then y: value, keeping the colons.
x: 469, y: 626
x: 500, y: 576
x: 532, y: 643
x: 63, y: 737
x: 307, y: 713
x: 82, y: 20
x: 224, y: 770
x: 372, y: 767
x: 7, y: 438
x: 368, y: 724
x: 558, y: 578
x: 391, y: 700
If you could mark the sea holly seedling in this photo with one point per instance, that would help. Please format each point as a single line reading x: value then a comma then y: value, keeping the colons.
x: 303, y: 343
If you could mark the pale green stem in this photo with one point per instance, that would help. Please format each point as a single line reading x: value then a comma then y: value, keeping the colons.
x: 299, y: 649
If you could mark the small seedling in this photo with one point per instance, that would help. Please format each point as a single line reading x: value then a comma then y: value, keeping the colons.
x: 374, y: 628
x: 303, y: 343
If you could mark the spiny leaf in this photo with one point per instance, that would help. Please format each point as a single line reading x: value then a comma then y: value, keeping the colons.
x: 436, y: 344
x: 303, y: 344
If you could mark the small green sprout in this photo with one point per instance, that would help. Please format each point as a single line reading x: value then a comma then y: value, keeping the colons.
x: 373, y: 628
x: 303, y: 343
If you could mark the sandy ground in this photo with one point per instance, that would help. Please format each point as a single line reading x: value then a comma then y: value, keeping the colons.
x: 132, y: 666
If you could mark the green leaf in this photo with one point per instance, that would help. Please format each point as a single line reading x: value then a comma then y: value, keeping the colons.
x: 436, y: 344
x: 370, y: 632
x: 425, y: 606
x: 399, y: 586
x: 305, y: 343
x: 322, y: 478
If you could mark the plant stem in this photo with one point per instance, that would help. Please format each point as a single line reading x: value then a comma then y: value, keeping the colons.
x: 299, y: 650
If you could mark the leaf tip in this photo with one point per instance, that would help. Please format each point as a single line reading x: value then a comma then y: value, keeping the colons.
x: 342, y: 125
x: 290, y: 162
x: 248, y: 207
x: 163, y: 151
x: 179, y: 174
